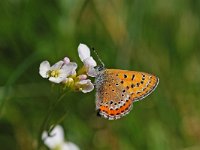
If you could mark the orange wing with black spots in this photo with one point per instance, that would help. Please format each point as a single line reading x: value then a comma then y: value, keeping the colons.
x: 118, y: 89
x: 138, y: 84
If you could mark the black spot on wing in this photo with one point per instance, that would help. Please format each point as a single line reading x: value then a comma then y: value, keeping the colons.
x: 125, y: 76
x: 133, y: 76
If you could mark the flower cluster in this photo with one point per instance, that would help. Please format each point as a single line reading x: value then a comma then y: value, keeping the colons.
x: 64, y: 71
x: 55, y: 140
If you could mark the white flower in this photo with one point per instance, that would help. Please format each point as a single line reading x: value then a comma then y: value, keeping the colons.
x: 88, y: 61
x: 85, y: 85
x: 65, y: 71
x: 58, y: 72
x: 56, y: 140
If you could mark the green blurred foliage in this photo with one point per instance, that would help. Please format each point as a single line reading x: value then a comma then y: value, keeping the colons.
x: 158, y: 36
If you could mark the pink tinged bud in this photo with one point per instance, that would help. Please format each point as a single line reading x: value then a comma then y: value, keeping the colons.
x: 66, y: 60
x: 82, y: 77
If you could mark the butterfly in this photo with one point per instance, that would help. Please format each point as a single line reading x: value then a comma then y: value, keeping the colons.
x: 117, y: 90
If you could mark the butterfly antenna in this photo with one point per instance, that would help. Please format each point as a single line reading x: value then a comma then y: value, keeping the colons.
x: 98, y: 57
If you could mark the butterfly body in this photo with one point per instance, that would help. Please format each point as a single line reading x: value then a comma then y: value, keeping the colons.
x: 116, y: 90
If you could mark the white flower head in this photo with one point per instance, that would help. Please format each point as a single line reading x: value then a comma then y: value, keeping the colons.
x: 88, y: 61
x: 56, y: 140
x: 59, y: 71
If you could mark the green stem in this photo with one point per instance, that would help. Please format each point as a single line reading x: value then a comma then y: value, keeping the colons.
x: 47, y: 118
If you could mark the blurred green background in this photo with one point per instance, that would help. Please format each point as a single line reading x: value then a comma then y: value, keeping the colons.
x: 155, y: 36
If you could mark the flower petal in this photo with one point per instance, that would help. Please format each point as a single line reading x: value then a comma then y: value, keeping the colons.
x: 69, y: 146
x: 44, y: 68
x: 56, y: 138
x: 57, y: 65
x: 86, y: 85
x: 57, y: 79
x: 92, y: 72
x: 69, y: 69
x: 83, y: 51
x: 89, y: 62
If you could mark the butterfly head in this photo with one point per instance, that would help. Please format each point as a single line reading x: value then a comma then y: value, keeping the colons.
x: 99, y: 68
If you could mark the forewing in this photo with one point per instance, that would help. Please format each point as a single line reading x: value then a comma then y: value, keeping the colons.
x: 137, y: 84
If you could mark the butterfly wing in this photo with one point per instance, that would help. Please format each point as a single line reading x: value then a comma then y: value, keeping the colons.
x: 137, y: 84
x: 118, y: 89
x: 112, y: 101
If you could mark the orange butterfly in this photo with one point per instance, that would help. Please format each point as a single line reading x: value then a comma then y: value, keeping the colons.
x: 116, y: 90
